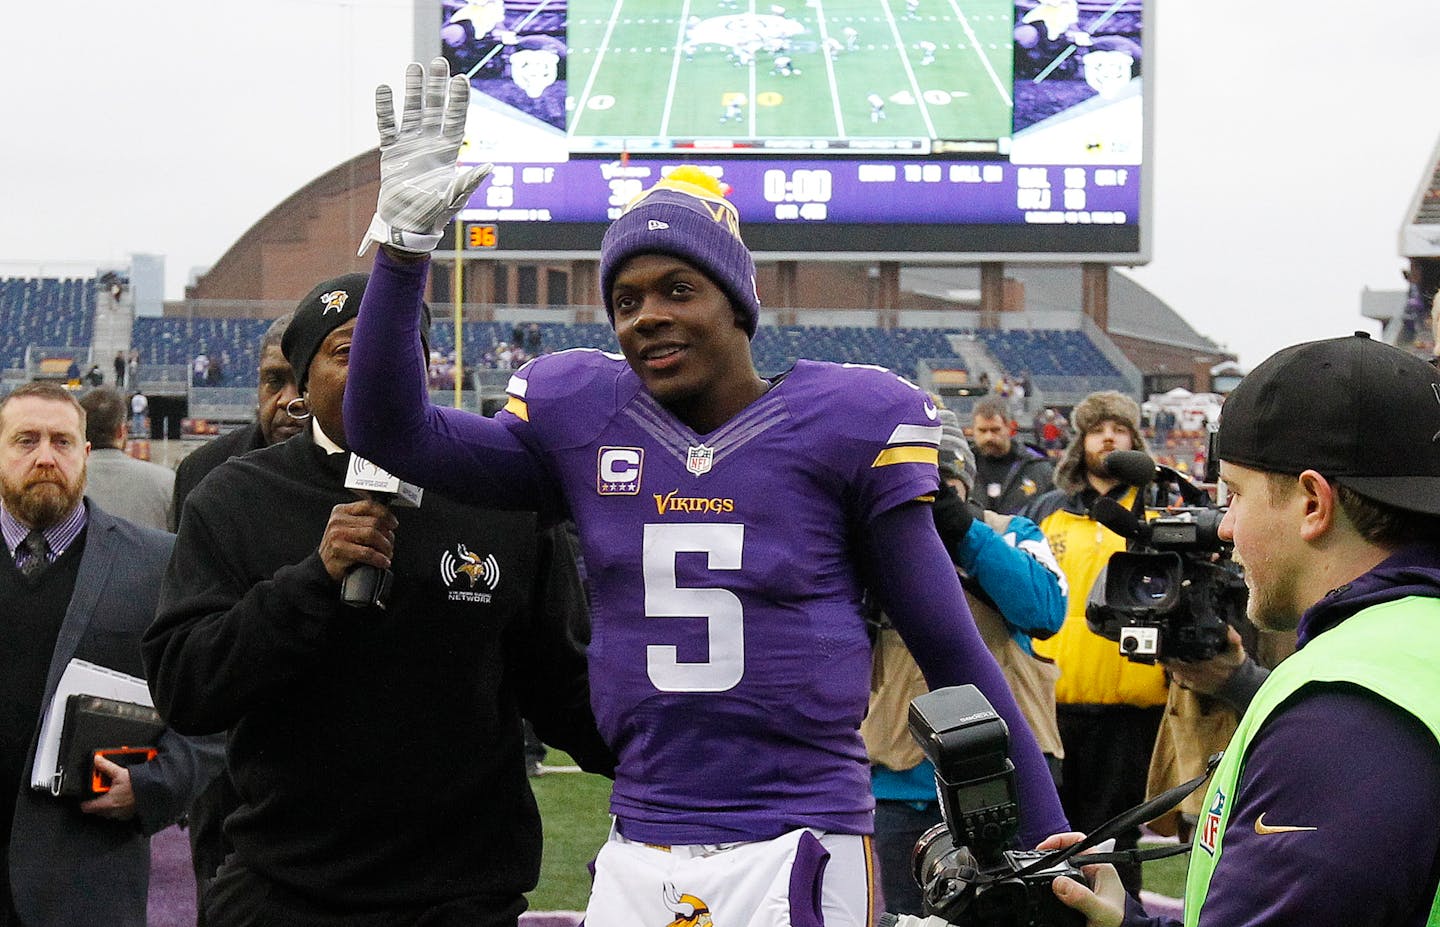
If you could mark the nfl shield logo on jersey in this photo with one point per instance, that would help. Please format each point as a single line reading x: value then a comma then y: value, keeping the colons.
x: 700, y: 459
x: 1210, y: 826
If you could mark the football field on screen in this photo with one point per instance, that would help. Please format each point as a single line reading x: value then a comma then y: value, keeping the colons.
x: 650, y: 68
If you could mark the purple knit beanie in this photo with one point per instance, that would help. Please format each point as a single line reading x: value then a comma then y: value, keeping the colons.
x: 685, y: 215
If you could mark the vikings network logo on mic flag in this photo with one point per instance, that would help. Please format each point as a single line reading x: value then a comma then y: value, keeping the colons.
x: 362, y: 474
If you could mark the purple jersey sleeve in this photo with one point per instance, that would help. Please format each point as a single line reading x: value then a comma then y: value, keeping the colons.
x: 1136, y: 916
x: 921, y: 593
x: 389, y: 418
x: 1359, y: 780
x: 886, y: 433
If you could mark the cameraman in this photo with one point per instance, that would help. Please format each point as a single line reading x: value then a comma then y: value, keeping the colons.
x: 1331, y: 783
x: 1015, y: 591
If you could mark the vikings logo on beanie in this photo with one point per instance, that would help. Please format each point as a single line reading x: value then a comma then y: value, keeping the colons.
x: 325, y: 308
x: 685, y: 215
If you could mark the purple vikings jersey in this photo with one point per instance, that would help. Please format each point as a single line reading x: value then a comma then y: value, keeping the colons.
x: 729, y: 662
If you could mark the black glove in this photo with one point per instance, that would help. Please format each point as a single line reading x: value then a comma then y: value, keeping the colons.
x: 952, y: 516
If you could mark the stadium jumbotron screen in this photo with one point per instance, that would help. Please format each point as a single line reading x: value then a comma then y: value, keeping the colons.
x: 846, y: 129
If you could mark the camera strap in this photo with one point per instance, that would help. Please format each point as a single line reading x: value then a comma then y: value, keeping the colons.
x: 1122, y: 822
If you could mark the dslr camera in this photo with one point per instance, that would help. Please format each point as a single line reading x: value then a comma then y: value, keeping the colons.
x: 968, y: 874
x: 1173, y: 590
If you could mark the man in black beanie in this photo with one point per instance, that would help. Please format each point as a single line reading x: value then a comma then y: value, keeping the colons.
x: 376, y: 751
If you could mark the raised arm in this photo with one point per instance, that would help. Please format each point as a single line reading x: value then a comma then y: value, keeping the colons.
x: 388, y: 416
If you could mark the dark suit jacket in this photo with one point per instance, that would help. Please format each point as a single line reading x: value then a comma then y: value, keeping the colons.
x: 69, y: 869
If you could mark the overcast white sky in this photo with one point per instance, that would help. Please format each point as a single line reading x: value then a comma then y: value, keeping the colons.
x: 1289, y: 140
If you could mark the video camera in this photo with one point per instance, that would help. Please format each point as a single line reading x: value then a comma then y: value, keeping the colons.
x: 967, y: 872
x: 1173, y: 590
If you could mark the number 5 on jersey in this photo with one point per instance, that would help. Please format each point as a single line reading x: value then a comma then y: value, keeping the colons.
x: 721, y: 609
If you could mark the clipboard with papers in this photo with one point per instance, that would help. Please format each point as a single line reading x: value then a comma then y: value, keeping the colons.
x: 95, y: 708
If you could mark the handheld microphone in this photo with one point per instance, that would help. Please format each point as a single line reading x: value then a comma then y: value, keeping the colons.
x: 364, y: 585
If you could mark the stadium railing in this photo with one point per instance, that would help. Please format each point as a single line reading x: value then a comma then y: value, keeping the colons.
x: 221, y: 403
x: 164, y: 379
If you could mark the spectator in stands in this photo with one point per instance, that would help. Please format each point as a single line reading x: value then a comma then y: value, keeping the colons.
x: 377, y: 751
x: 729, y: 729
x: 1015, y: 590
x: 1052, y: 432
x: 139, y: 415
x: 275, y: 400
x: 72, y: 374
x: 1323, y: 810
x: 1010, y: 474
x: 119, y: 371
x: 215, y: 370
x: 199, y: 369
x: 135, y: 490
x: 1108, y: 707
x: 132, y: 370
x: 77, y: 583
x: 532, y: 340
x: 93, y: 376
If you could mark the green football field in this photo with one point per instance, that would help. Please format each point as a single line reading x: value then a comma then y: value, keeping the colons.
x: 650, y: 68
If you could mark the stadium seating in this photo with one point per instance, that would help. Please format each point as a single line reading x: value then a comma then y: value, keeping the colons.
x: 1041, y: 353
x: 44, y: 311
x: 1044, y: 353
x: 179, y: 340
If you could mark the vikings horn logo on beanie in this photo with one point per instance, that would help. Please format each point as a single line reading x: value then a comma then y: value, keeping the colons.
x: 326, y: 307
x: 685, y: 215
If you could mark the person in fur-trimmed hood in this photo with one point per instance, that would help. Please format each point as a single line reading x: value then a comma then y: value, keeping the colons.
x: 1108, y: 708
x: 1072, y: 474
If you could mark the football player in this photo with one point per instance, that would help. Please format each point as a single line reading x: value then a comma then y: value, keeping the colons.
x: 729, y: 525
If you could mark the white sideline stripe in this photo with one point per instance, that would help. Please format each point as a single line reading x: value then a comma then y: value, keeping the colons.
x: 595, y: 69
x: 984, y: 58
x: 830, y: 70
x: 900, y: 47
x: 674, y: 72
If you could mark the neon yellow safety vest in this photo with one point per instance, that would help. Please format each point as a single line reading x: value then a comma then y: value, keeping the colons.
x: 1390, y: 649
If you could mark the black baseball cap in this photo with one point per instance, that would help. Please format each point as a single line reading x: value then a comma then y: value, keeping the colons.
x: 1361, y: 413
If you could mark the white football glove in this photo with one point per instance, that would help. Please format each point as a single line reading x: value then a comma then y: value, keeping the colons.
x: 421, y: 186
